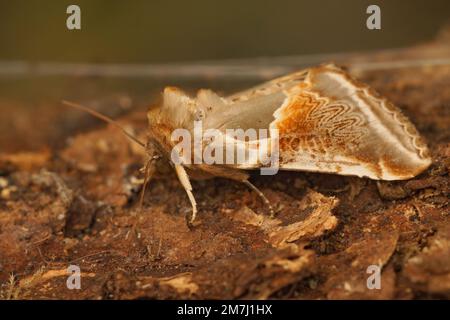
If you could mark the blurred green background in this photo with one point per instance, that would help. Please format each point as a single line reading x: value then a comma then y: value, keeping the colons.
x: 34, y: 39
x: 166, y: 31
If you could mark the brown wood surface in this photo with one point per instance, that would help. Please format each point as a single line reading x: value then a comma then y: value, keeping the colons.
x: 72, y: 198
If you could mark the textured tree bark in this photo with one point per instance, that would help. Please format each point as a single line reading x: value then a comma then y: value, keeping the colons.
x: 69, y: 198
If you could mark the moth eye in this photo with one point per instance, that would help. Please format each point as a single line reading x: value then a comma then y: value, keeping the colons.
x: 199, y: 115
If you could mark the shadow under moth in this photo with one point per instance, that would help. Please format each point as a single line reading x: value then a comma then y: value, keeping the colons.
x: 325, y: 121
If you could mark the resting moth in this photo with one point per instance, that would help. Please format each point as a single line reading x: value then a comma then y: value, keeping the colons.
x: 326, y: 122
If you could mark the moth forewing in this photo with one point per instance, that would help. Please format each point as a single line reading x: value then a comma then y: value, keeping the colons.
x: 332, y: 123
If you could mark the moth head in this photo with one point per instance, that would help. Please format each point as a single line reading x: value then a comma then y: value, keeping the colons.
x: 178, y: 109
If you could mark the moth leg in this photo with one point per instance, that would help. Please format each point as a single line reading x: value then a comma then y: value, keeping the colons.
x: 261, y: 195
x: 145, y: 183
x: 148, y: 170
x: 186, y: 183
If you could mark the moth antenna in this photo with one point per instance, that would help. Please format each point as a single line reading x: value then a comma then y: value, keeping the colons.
x: 104, y: 118
x: 261, y: 195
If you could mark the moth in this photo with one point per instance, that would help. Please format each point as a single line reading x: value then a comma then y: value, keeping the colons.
x: 326, y: 121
